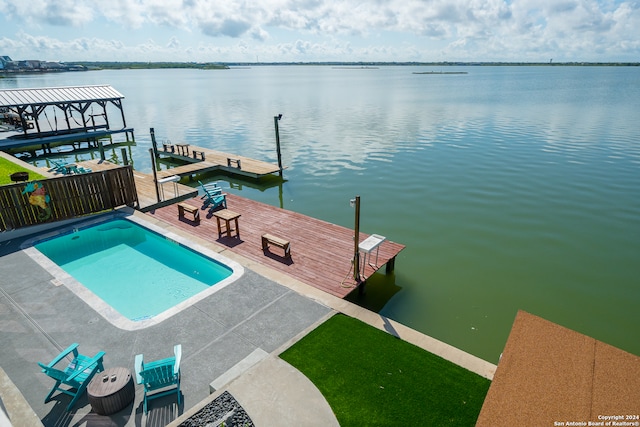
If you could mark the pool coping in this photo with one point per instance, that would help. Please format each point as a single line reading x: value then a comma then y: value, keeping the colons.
x: 62, y: 278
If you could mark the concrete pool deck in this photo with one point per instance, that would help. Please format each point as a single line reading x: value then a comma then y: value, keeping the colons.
x: 264, y: 311
x: 39, y: 318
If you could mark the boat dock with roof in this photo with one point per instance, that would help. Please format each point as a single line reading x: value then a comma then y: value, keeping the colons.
x: 42, y: 118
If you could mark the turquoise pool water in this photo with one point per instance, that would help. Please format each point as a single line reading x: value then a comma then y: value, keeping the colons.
x: 133, y: 269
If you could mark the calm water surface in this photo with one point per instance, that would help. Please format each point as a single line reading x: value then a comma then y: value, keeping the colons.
x: 512, y: 187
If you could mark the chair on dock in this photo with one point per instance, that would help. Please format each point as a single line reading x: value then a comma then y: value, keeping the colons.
x: 68, y: 168
x: 75, y: 169
x: 72, y: 168
x: 213, y: 186
x: 213, y: 196
x: 161, y: 374
x: 76, y: 375
x: 58, y: 168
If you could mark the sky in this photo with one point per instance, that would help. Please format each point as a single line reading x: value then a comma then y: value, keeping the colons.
x: 321, y: 30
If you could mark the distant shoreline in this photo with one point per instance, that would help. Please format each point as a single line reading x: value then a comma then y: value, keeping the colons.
x: 442, y: 64
x: 347, y: 67
x: 116, y: 65
x: 440, y: 72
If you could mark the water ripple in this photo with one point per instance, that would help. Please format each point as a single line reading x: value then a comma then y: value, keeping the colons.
x: 512, y: 187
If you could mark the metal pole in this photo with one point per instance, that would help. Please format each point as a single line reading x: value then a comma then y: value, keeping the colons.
x: 155, y: 174
x: 275, y: 122
x: 356, y: 243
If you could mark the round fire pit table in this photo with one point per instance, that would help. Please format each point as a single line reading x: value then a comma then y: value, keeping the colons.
x: 111, y: 390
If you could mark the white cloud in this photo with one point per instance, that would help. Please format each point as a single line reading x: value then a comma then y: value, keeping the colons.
x: 56, y: 13
x: 174, y: 43
x: 312, y: 30
x: 127, y: 13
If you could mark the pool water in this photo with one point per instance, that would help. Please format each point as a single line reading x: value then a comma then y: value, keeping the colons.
x: 133, y: 269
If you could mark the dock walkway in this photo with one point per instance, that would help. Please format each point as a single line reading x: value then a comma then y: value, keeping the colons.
x: 203, y: 160
x: 321, y: 252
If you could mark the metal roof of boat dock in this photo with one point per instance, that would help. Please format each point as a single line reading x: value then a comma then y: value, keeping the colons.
x: 56, y: 95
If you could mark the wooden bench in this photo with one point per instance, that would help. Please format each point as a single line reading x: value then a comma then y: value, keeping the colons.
x: 182, y: 149
x: 183, y: 207
x: 269, y: 239
x: 197, y: 154
x: 233, y: 162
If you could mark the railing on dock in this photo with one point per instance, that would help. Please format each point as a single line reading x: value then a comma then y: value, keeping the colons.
x: 56, y: 199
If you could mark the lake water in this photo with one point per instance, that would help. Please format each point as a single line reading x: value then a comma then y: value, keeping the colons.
x: 512, y: 187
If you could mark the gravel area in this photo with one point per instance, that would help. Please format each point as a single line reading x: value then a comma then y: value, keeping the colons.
x: 222, y: 411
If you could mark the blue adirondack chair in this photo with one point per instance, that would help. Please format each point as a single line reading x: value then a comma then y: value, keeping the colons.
x: 57, y: 167
x: 160, y: 374
x: 213, y: 196
x: 80, y: 169
x: 72, y: 169
x: 209, y: 188
x: 76, y: 375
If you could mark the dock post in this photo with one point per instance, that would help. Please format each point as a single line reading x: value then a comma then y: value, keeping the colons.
x: 280, y: 196
x: 125, y: 159
x: 356, y: 240
x: 391, y: 264
x: 153, y: 142
x: 155, y: 174
x: 276, y: 119
x: 361, y: 287
x: 101, y: 148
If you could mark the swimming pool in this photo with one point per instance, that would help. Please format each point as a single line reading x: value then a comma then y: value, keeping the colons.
x: 133, y: 273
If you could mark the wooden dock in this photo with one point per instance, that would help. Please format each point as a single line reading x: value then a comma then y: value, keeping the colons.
x: 202, y: 160
x: 321, y: 252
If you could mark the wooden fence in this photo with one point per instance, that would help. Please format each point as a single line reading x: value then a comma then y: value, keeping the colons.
x: 65, y: 197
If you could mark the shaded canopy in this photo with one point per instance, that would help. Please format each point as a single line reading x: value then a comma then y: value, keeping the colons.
x: 30, y: 104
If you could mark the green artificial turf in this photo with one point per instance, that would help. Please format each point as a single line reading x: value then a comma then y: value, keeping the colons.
x: 7, y: 168
x: 371, y: 378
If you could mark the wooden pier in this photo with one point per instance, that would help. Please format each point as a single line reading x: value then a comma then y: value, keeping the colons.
x: 321, y: 252
x: 202, y: 160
